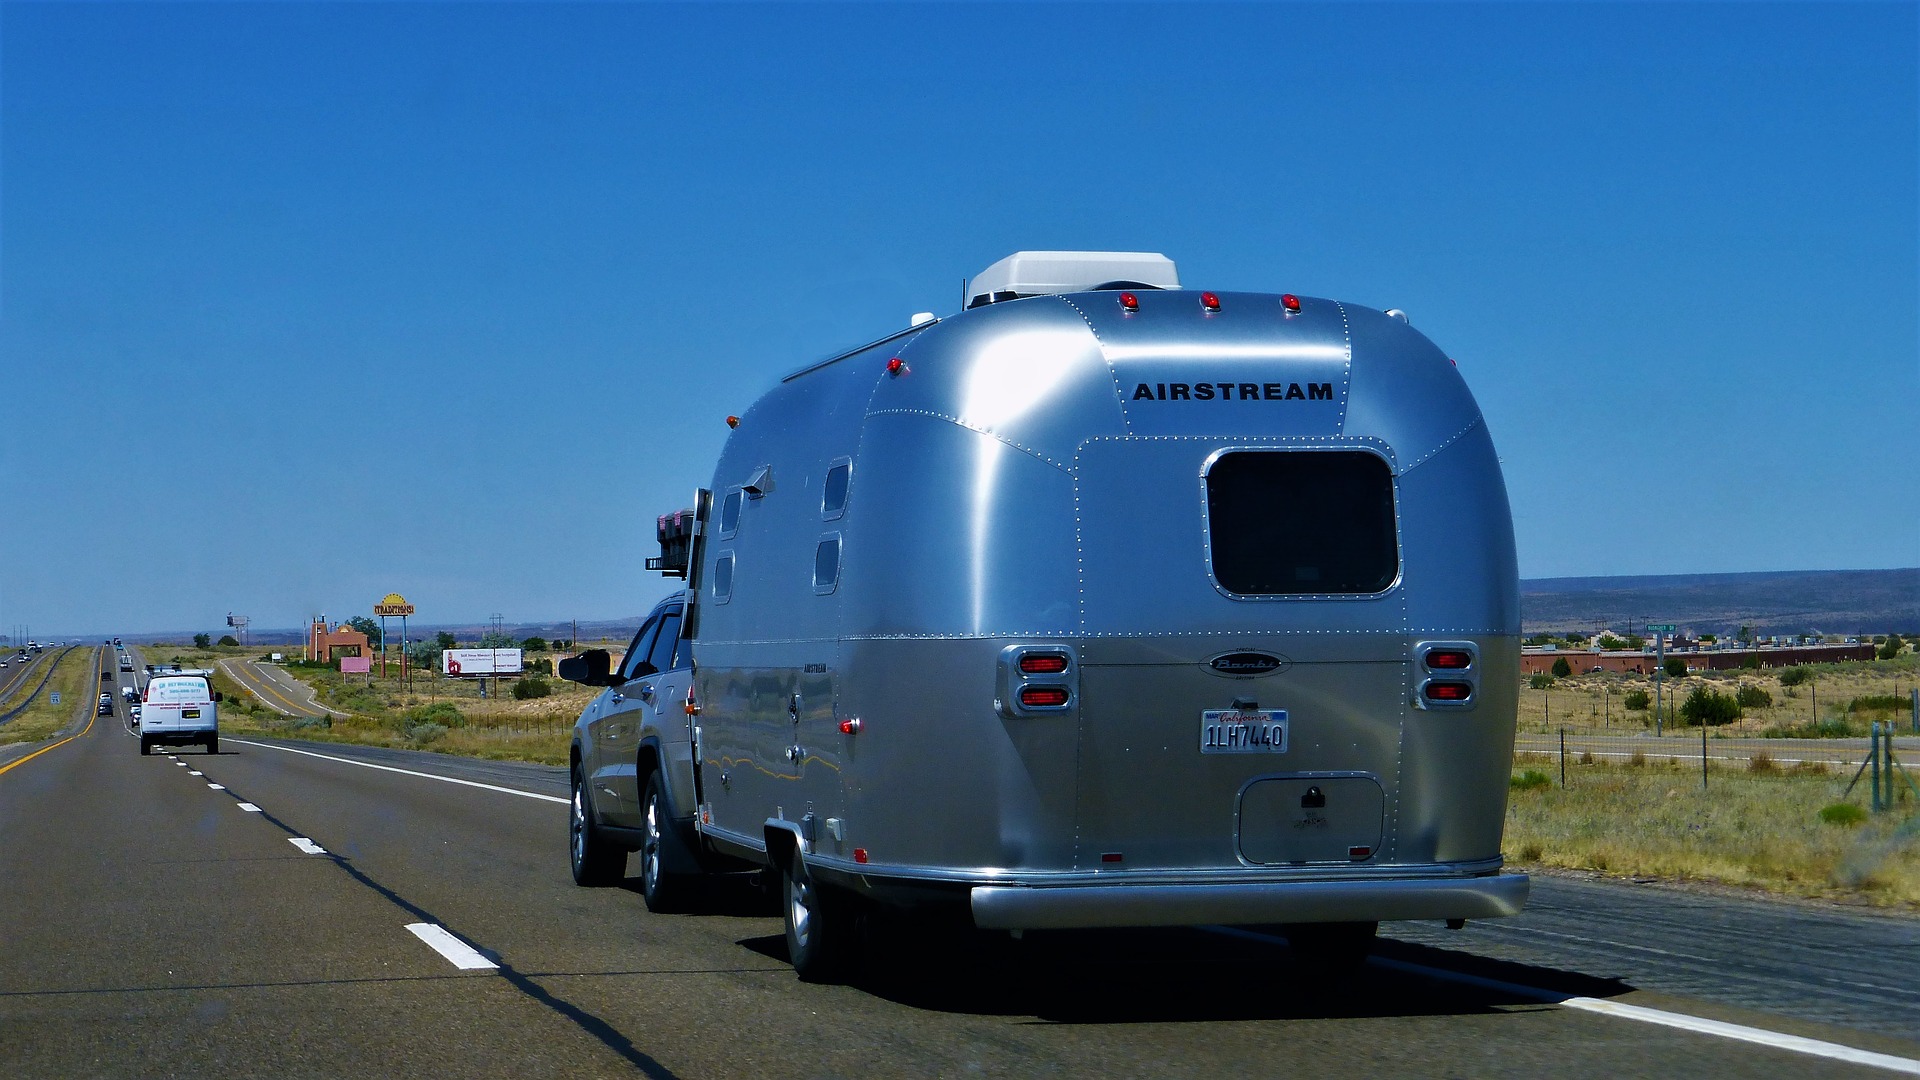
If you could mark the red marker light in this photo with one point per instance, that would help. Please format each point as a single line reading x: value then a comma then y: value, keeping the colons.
x: 1450, y: 659
x: 850, y: 726
x: 1112, y: 856
x: 733, y: 421
x: 1210, y: 301
x: 896, y: 366
x: 1290, y: 302
x: 1043, y: 697
x: 1449, y: 691
x: 859, y: 854
x: 1043, y: 663
x: 1129, y: 301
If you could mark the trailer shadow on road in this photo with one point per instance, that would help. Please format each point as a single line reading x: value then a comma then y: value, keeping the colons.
x: 1180, y: 976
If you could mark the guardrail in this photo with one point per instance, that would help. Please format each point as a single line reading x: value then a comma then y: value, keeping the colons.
x: 51, y: 668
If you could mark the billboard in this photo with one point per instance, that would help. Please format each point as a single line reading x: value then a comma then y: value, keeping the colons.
x: 458, y: 662
x: 356, y: 665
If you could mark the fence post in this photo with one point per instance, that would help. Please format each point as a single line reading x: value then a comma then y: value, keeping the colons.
x: 1563, y: 757
x: 1873, y: 750
x: 1916, y: 709
x: 1703, y: 754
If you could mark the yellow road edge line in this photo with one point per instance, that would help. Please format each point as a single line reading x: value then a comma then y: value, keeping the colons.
x: 253, y: 681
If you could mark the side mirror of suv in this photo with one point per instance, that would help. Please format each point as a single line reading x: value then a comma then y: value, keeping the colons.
x: 590, y: 668
x: 218, y: 696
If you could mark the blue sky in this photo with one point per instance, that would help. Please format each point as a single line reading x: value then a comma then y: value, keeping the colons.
x: 303, y: 304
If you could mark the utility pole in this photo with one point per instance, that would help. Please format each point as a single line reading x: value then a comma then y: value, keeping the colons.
x: 493, y: 663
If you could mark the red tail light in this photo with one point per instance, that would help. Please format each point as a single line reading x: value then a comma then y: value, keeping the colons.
x: 1449, y: 659
x: 1043, y: 697
x: 1449, y: 691
x: 1043, y: 663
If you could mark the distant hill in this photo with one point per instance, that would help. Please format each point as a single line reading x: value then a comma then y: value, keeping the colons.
x: 1781, y: 602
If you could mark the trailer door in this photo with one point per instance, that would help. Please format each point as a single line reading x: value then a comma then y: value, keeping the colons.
x: 1244, y: 666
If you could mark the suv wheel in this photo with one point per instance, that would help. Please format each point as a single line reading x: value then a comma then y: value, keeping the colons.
x: 596, y: 862
x: 663, y: 891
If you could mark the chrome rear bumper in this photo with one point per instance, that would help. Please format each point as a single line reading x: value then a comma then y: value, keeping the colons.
x: 1079, y: 906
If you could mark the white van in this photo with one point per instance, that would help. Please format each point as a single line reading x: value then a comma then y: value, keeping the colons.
x: 181, y: 709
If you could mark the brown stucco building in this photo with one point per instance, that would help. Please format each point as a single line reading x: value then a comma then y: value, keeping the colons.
x: 322, y: 643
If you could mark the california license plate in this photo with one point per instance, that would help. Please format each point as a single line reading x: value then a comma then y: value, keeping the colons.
x: 1237, y: 731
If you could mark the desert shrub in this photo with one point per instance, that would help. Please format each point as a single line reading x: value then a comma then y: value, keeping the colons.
x: 1675, y: 668
x: 423, y: 733
x: 1529, y: 780
x: 1540, y: 681
x: 228, y: 640
x: 1709, y: 707
x: 1842, y: 813
x: 1794, y: 676
x: 1892, y: 648
x: 1752, y: 697
x: 1825, y: 729
x: 360, y: 699
x: 1638, y: 700
x: 1561, y: 668
x: 443, y: 713
x: 531, y: 688
x: 1762, y: 762
x: 1878, y: 703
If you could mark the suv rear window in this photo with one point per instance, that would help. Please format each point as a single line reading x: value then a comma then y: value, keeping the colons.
x: 1290, y: 523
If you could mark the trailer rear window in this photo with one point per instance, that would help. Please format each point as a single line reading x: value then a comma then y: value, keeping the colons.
x: 1292, y: 523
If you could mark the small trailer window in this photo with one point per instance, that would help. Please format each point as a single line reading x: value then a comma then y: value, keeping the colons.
x: 826, y: 564
x: 723, y: 578
x: 1297, y: 523
x: 833, y: 501
x: 730, y: 514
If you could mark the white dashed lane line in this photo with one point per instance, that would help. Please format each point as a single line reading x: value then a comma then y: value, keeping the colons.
x: 217, y: 787
x: 458, y: 953
x: 249, y: 807
x: 306, y: 845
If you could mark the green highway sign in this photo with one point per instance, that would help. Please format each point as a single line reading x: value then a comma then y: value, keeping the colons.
x: 1662, y: 627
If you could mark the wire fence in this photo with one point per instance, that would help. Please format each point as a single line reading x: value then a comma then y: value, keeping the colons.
x: 1569, y: 756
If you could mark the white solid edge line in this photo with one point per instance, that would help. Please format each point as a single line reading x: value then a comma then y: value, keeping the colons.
x: 1740, y: 1032
x: 306, y: 845
x: 409, y: 772
x: 249, y: 807
x: 458, y: 953
x: 1761, y: 1036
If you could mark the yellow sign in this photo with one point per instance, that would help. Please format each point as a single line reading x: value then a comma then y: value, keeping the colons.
x: 394, y: 604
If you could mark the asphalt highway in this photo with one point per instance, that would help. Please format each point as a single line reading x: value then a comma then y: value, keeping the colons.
x: 289, y: 909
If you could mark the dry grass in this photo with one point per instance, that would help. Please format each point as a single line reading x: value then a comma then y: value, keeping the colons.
x: 76, y: 678
x: 496, y: 727
x: 1750, y: 827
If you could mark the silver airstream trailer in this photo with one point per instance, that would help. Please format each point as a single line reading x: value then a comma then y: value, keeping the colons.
x: 1102, y: 603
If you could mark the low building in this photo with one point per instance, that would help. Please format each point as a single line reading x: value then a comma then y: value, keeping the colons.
x: 1537, y: 661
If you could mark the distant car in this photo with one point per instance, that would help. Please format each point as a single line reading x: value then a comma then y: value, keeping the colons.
x: 106, y: 676
x: 106, y: 705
